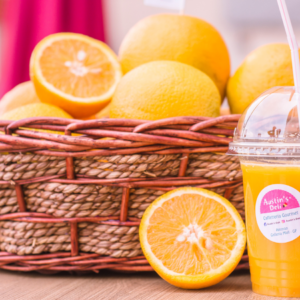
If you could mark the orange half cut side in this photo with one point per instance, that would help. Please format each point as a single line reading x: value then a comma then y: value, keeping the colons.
x: 193, y: 238
x: 75, y: 72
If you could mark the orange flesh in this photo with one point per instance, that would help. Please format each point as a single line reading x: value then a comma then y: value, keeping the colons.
x: 77, y: 68
x: 212, y: 246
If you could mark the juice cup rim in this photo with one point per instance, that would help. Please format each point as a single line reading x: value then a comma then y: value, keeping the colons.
x: 264, y: 149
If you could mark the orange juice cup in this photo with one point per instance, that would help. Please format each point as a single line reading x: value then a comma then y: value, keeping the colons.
x: 267, y: 141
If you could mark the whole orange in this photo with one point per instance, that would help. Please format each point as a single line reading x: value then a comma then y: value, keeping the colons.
x: 164, y: 89
x: 265, y: 67
x: 179, y: 38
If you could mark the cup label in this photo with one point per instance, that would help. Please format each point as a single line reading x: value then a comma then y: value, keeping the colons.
x: 278, y: 213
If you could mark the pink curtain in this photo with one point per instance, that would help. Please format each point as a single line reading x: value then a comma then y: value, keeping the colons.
x: 26, y: 22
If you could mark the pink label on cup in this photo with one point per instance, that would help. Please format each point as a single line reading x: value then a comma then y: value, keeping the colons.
x: 277, y: 200
x: 277, y: 212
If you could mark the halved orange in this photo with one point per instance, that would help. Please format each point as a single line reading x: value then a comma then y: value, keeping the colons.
x: 193, y: 238
x: 75, y: 72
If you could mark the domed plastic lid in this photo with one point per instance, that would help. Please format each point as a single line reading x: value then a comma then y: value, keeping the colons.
x: 269, y: 126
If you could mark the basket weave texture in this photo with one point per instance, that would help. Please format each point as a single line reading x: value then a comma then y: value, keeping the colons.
x: 72, y: 194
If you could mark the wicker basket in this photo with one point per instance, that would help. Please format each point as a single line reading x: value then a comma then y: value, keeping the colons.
x: 73, y: 201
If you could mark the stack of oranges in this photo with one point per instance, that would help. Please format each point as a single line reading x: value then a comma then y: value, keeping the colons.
x: 173, y: 65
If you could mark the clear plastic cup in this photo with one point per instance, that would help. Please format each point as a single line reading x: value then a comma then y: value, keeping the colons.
x: 267, y: 141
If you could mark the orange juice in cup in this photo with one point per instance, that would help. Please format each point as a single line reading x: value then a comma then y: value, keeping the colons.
x: 267, y: 140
